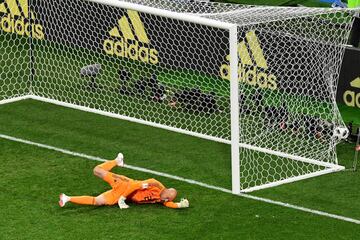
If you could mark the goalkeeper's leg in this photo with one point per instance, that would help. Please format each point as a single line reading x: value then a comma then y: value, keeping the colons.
x: 107, y: 198
x: 103, y: 169
x: 82, y: 200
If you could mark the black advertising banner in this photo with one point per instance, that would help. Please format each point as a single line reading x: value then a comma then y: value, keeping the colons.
x: 348, y: 91
x: 132, y: 35
x: 269, y: 59
x: 277, y: 62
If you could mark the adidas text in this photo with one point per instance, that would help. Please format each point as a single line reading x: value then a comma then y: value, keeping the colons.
x: 253, y: 77
x: 133, y: 51
x: 128, y: 39
x: 352, y: 99
x: 21, y: 26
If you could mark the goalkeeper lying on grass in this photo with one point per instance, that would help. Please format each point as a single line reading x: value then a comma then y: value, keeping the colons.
x: 124, y: 188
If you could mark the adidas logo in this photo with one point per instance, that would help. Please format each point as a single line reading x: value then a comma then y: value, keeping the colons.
x: 352, y: 98
x: 16, y: 19
x: 128, y: 39
x: 355, y: 83
x: 256, y: 50
x: 126, y: 29
x: 252, y: 64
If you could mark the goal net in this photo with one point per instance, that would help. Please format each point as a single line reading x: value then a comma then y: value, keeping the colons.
x: 168, y: 64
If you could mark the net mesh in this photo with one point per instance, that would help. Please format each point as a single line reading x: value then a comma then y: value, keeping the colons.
x: 14, y: 66
x: 176, y: 74
x: 288, y: 72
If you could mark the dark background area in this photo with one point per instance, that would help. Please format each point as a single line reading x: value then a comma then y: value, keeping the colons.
x: 67, y: 22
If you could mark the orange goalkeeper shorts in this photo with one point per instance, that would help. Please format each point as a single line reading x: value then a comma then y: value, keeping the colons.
x: 119, y: 184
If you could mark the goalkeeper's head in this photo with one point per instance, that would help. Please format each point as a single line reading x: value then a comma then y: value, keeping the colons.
x: 168, y: 194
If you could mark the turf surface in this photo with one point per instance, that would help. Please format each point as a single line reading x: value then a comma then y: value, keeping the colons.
x: 32, y: 178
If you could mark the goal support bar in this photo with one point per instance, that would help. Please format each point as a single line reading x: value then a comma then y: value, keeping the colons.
x: 295, y: 179
x: 14, y: 99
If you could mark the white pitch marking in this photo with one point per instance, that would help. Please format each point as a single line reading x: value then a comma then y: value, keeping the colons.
x: 190, y: 181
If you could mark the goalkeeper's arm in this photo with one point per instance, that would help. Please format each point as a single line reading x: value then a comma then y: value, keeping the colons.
x: 184, y: 203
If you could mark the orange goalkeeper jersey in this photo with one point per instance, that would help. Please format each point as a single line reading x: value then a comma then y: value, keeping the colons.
x: 149, y: 195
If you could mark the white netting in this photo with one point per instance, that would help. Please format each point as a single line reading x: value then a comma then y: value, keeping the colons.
x: 14, y: 63
x: 170, y: 77
x: 176, y: 74
x: 289, y: 67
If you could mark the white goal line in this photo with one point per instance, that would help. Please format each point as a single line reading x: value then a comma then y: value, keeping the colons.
x: 190, y: 181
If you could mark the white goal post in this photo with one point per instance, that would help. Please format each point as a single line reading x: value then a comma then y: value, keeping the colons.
x: 262, y: 79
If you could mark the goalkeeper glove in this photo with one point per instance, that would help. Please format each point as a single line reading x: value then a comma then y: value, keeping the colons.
x: 122, y: 203
x: 184, y: 203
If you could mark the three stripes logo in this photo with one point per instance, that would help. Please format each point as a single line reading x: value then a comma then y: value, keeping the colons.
x: 128, y: 39
x: 352, y: 97
x: 252, y: 64
x: 17, y: 18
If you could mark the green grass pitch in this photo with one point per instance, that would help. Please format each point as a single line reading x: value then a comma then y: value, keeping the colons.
x: 32, y: 178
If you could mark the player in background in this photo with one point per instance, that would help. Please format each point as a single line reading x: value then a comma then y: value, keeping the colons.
x: 126, y: 189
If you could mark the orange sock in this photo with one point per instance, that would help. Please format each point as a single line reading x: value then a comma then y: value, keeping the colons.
x: 83, y: 200
x: 108, y: 165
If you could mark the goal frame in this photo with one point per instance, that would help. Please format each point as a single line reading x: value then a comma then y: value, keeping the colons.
x: 236, y: 145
